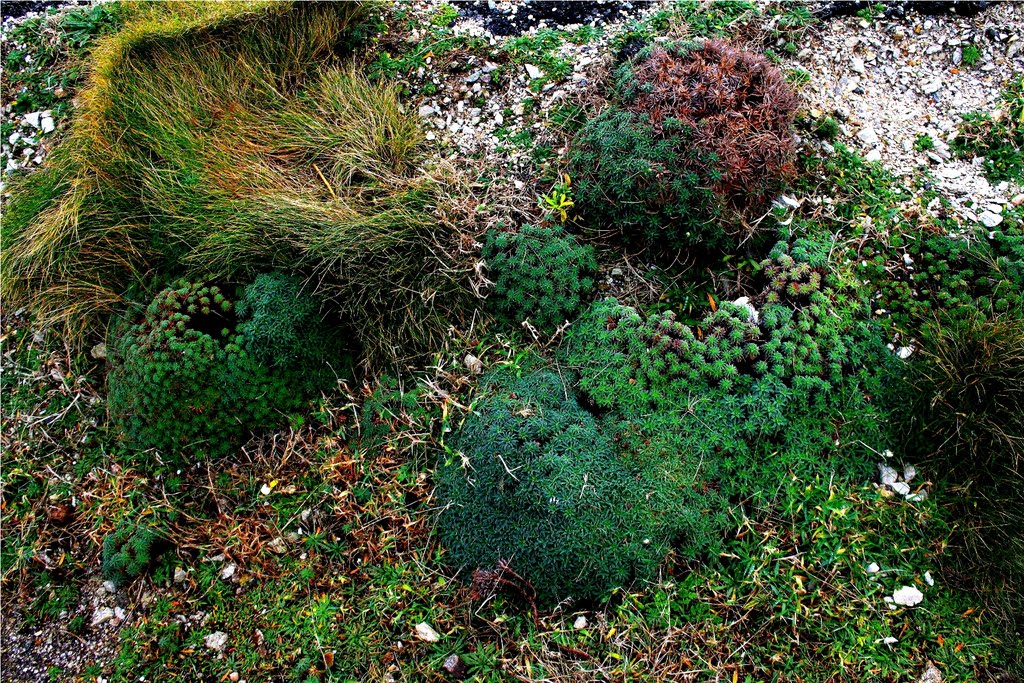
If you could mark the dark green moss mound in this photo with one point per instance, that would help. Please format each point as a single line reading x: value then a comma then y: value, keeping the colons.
x: 542, y: 275
x: 188, y: 378
x: 129, y: 551
x: 531, y: 480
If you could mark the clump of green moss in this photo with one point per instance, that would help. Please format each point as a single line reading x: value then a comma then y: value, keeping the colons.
x: 129, y: 551
x: 542, y: 275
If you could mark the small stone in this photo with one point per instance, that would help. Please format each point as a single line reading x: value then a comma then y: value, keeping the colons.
x: 277, y: 546
x: 904, y: 352
x: 454, y: 666
x: 32, y: 119
x: 119, y: 613
x: 886, y: 474
x: 857, y: 65
x: 102, y: 616
x: 533, y: 72
x: 931, y: 674
x: 265, y: 489
x: 109, y: 587
x: 901, y: 488
x: 179, y: 575
x: 928, y: 579
x: 932, y: 87
x: 990, y: 219
x: 889, y: 640
x: 426, y: 110
x: 233, y: 676
x: 581, y: 622
x: 873, y: 155
x: 908, y: 260
x: 908, y: 596
x: 99, y: 352
x: 47, y: 125
x: 909, y: 472
x: 473, y: 364
x: 228, y: 572
x: 868, y: 136
x: 425, y: 632
x: 873, y: 568
x: 1017, y: 200
x: 216, y: 641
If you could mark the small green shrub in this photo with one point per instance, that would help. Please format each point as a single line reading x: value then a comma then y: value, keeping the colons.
x: 186, y: 379
x: 543, y: 275
x: 924, y: 142
x: 971, y: 55
x: 284, y: 327
x: 827, y: 128
x: 531, y: 480
x: 129, y: 551
x: 700, y: 131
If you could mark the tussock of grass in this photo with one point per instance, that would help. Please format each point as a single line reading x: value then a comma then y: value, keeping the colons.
x: 227, y: 139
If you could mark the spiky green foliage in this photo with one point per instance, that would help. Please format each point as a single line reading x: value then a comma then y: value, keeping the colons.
x: 284, y: 327
x: 531, y: 480
x: 763, y: 388
x: 238, y: 144
x: 629, y: 183
x: 542, y: 275
x: 129, y: 551
x: 186, y: 380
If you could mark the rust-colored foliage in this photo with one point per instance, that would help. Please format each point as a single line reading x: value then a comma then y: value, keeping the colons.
x: 737, y: 106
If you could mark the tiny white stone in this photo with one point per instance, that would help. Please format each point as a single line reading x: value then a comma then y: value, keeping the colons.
x: 179, y: 575
x: 908, y: 260
x: 533, y: 72
x: 228, y: 572
x: 873, y: 155
x: 47, y: 125
x: 900, y: 487
x: 868, y: 136
x: 109, y: 587
x: 909, y: 472
x: 873, y: 568
x: 102, y: 615
x: 217, y: 641
x: 425, y: 632
x: 904, y: 352
x: 265, y: 490
x: 932, y: 86
x: 32, y: 119
x: 990, y: 219
x: 928, y: 579
x: 908, y: 596
x: 889, y: 640
x: 473, y: 364
x: 581, y: 622
x: 857, y: 65
x: 887, y: 475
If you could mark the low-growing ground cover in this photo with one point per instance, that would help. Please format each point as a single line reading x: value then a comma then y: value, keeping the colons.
x: 405, y: 421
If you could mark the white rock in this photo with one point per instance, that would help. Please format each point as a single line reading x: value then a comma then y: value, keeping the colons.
x: 109, y: 587
x: 909, y: 472
x: 900, y: 487
x: 873, y: 155
x: 119, y: 613
x: 904, y: 352
x: 32, y: 119
x: 930, y: 674
x: 889, y: 640
x: 873, y: 568
x: 908, y: 596
x: 473, y: 364
x: 533, y: 72
x: 216, y: 641
x: 581, y: 622
x: 744, y: 302
x: 932, y: 86
x: 426, y: 110
x: 928, y: 579
x: 265, y: 489
x: 425, y: 632
x: 857, y: 65
x: 886, y: 474
x: 47, y: 125
x: 179, y: 575
x: 228, y: 572
x: 102, y: 616
x: 868, y: 136
x: 990, y: 219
